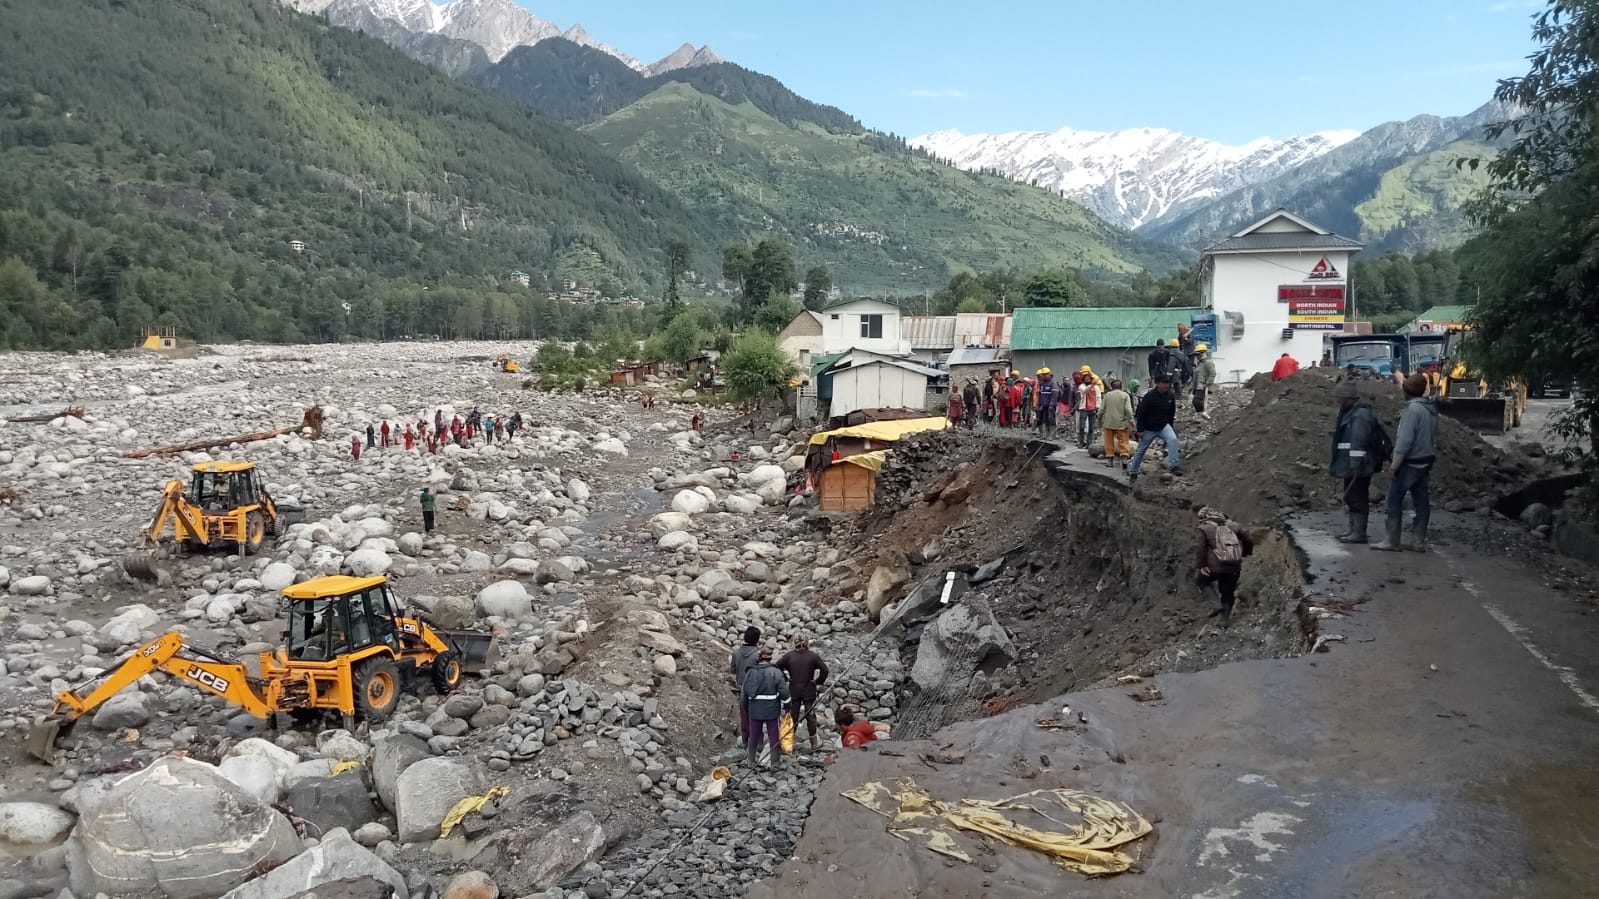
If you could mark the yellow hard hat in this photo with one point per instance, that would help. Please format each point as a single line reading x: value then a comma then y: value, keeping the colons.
x: 1014, y: 373
x: 1085, y: 369
x: 1044, y: 371
x: 1202, y: 348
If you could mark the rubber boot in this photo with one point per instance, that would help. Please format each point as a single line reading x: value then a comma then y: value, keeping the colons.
x: 1358, y: 528
x: 752, y: 754
x: 1390, y: 543
x: 1418, y: 539
x: 1349, y: 527
x: 816, y: 743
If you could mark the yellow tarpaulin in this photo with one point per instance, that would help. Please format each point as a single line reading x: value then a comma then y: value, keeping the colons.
x: 872, y: 460
x: 886, y: 431
x: 467, y: 806
x: 1080, y: 832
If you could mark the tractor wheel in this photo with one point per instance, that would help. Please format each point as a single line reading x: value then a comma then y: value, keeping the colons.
x: 376, y: 684
x: 254, y: 533
x: 446, y: 672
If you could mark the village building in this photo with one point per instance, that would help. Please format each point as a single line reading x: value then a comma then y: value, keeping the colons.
x: 1278, y: 286
x: 857, y: 324
x: 1114, y: 341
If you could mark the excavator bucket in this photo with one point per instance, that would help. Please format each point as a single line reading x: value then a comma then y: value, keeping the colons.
x: 42, y: 738
x: 140, y: 565
x: 477, y: 650
x: 1485, y: 415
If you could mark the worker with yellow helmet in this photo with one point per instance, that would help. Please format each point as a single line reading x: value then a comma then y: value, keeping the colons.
x: 1047, y: 397
x: 1204, y: 379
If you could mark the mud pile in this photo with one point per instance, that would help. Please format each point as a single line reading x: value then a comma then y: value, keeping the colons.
x: 1095, y: 582
x: 1271, y: 459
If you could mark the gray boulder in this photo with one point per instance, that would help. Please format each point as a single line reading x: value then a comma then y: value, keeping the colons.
x: 1537, y: 514
x: 126, y: 709
x: 554, y: 572
x: 338, y: 858
x: 562, y: 849
x: 32, y: 823
x: 506, y: 599
x: 427, y: 790
x: 957, y: 643
x: 390, y: 757
x: 178, y: 828
x: 332, y: 802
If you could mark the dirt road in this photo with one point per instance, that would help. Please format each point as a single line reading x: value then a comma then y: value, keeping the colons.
x: 1443, y: 750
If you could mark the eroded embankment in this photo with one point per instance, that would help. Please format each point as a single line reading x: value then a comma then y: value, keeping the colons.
x: 1095, y: 582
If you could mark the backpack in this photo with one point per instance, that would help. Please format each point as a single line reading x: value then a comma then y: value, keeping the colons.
x: 1382, y: 445
x: 1224, y: 545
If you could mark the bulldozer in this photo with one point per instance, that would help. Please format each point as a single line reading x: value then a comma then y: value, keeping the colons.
x: 1470, y: 399
x: 348, y: 649
x: 225, y: 504
x: 504, y: 362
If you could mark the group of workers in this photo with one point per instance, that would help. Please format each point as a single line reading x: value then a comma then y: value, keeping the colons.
x: 457, y: 430
x: 1361, y: 448
x: 790, y: 686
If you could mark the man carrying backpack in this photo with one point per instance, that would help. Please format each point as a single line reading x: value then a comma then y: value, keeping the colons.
x: 1223, y: 544
x: 1357, y: 454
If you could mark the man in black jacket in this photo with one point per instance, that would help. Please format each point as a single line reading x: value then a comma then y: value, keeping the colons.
x: 1159, y: 361
x: 1354, y: 459
x: 1156, y: 412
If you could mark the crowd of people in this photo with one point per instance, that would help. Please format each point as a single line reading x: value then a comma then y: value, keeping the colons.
x: 476, y: 426
x: 788, y: 687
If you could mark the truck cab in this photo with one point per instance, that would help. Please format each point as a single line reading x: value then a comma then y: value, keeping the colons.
x: 1376, y: 356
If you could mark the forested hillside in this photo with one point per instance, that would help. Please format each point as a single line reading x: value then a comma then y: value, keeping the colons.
x: 158, y: 157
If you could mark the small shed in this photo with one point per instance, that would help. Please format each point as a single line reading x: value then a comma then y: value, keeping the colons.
x: 851, y: 483
x: 881, y: 384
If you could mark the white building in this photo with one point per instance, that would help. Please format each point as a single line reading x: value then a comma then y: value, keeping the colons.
x: 864, y: 380
x: 1278, y: 286
x: 855, y: 325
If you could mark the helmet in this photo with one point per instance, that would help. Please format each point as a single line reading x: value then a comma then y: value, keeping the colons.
x: 1014, y: 373
x: 1044, y: 371
x: 1202, y: 348
x: 1085, y: 369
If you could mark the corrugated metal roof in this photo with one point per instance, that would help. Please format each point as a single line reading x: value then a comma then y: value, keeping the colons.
x: 978, y: 355
x: 1097, y: 328
x: 897, y: 363
x: 982, y: 329
x: 928, y: 332
x: 1282, y: 241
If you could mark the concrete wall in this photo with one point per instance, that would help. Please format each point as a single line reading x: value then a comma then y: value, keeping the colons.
x: 877, y: 386
x: 1247, y: 283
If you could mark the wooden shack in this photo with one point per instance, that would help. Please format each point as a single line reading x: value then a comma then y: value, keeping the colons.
x: 851, y: 484
x: 842, y: 463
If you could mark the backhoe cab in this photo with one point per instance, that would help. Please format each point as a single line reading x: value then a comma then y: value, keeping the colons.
x: 349, y: 649
x: 226, y: 505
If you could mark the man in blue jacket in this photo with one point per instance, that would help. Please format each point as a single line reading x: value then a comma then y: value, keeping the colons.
x: 766, y: 691
x: 1415, y: 450
x: 1353, y: 458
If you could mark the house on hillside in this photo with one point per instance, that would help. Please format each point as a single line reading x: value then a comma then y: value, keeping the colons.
x: 855, y: 324
x: 1113, y: 340
x: 1277, y: 286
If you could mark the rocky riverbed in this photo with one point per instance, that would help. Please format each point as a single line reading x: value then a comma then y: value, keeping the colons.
x: 616, y: 553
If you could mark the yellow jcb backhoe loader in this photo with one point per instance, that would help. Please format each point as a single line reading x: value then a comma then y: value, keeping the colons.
x: 348, y: 650
x: 504, y: 362
x: 1468, y: 398
x: 225, y: 504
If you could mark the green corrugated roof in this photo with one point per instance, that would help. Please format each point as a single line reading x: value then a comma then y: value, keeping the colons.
x: 1445, y: 314
x: 1078, y: 329
x: 820, y: 363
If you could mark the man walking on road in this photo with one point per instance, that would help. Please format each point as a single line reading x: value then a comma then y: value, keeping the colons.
x: 1415, y: 450
x: 1222, y: 548
x: 1204, y: 379
x: 806, y: 673
x: 1353, y: 457
x: 427, y: 510
x: 1115, y: 420
x: 765, y: 690
x: 1156, y: 412
x: 744, y: 658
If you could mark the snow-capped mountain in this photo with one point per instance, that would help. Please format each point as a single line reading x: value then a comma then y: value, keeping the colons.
x: 498, y: 26
x: 1133, y: 176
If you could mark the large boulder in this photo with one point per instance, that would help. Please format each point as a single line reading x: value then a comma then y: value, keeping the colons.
x: 331, y: 802
x: 179, y: 829
x: 129, y: 708
x: 666, y: 522
x: 368, y: 562
x: 690, y: 503
x: 390, y: 757
x: 561, y: 850
x: 690, y: 481
x: 880, y: 588
x: 277, y: 576
x: 506, y: 599
x: 676, y: 541
x: 32, y: 823
x: 471, y: 885
x: 427, y: 790
x: 337, y: 858
x: 36, y: 585
x: 762, y: 474
x: 129, y: 623
x: 554, y: 571
x: 964, y: 639
x: 255, y: 775
x: 578, y: 491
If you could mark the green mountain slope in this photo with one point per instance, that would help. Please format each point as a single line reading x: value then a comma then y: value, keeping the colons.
x: 1395, y: 187
x: 883, y: 218
x: 157, y: 159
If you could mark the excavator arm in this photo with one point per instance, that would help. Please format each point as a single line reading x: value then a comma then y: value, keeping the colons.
x: 228, y: 680
x: 187, y: 522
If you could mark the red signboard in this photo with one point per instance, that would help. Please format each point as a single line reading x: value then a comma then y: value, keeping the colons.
x: 1288, y: 292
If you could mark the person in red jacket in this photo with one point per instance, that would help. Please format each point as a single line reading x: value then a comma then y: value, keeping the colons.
x: 853, y: 733
x: 1286, y: 365
x: 385, y: 432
